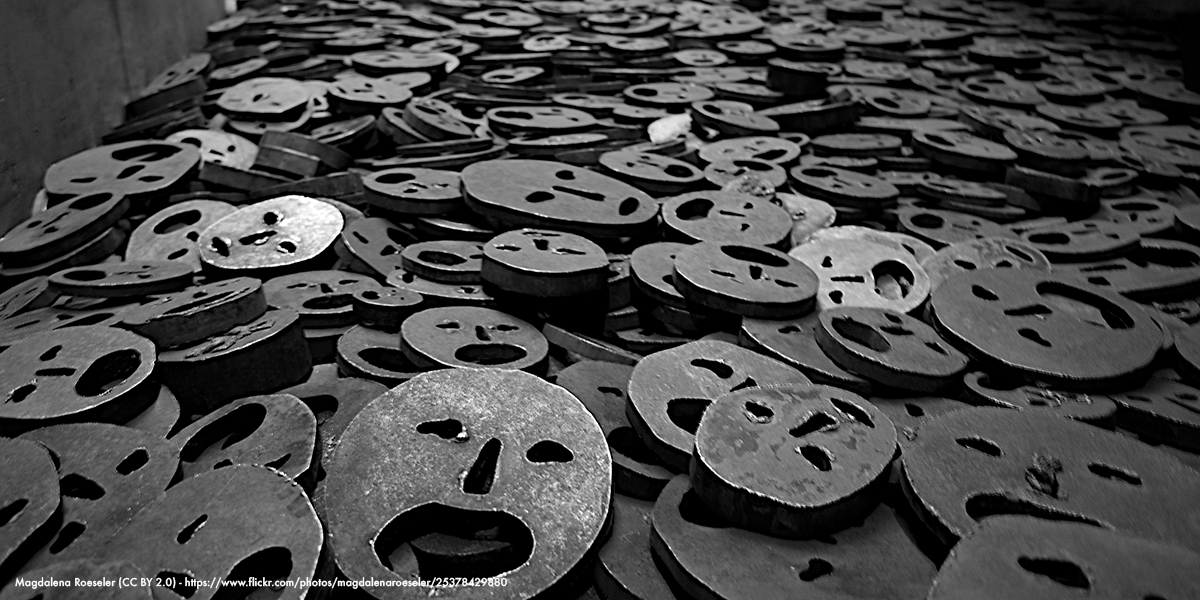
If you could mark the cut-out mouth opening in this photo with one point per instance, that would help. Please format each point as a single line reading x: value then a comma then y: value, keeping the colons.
x: 435, y: 540
x: 178, y: 221
x: 228, y: 429
x: 389, y: 359
x: 694, y: 209
x: 329, y: 302
x: 625, y: 442
x: 490, y: 354
x: 985, y: 505
x: 861, y: 333
x: 695, y: 512
x: 893, y: 280
x: 686, y: 413
x: 268, y: 566
x: 754, y: 255
x: 1084, y: 305
x: 108, y: 372
x: 438, y: 257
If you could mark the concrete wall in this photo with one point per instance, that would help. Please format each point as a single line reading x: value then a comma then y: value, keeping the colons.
x: 67, y: 67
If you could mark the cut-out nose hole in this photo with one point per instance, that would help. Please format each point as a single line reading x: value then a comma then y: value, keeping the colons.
x: 75, y: 485
x: 980, y: 445
x: 818, y: 457
x: 279, y: 462
x: 1116, y: 473
x: 757, y: 413
x: 685, y: 413
x: 482, y: 334
x: 447, y: 429
x: 549, y: 451
x: 813, y: 423
x: 1033, y: 336
x: 541, y: 244
x: 185, y: 534
x: 21, y: 393
x: 1061, y: 571
x: 852, y: 411
x: 136, y: 460
x: 220, y: 246
x: 482, y: 474
x: 68, y: 534
x: 746, y: 383
x: 817, y: 568
x: 719, y: 369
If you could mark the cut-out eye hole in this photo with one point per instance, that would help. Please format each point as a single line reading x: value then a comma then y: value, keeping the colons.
x: 482, y: 473
x: 136, y: 460
x: 853, y: 411
x: 549, y: 451
x: 185, y: 534
x: 1114, y: 473
x: 817, y: 457
x: 913, y: 410
x: 447, y: 429
x: 611, y: 391
x: 814, y: 423
x: 980, y: 445
x: 74, y: 485
x: 719, y: 369
x: 1061, y: 571
x: 1033, y: 336
x: 817, y: 568
x: 758, y: 413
